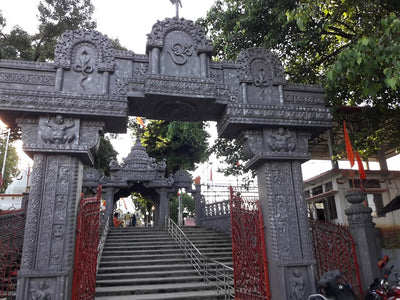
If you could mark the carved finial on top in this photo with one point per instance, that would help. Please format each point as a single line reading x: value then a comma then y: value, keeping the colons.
x: 177, y: 4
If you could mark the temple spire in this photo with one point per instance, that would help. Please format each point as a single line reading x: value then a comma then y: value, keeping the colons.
x: 177, y: 4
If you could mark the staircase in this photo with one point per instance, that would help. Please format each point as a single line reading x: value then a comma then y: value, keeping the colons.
x: 145, y: 263
x: 211, y: 243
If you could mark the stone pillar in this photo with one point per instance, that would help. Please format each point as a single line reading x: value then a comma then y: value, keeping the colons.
x: 109, y: 197
x: 198, y: 206
x: 280, y: 183
x: 59, y: 147
x: 362, y: 230
x: 164, y: 206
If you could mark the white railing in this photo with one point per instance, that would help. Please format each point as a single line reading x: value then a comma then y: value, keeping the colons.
x: 211, y: 270
x: 102, y: 241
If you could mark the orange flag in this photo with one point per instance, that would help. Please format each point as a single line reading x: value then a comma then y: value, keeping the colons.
x: 361, y: 170
x: 140, y: 121
x: 349, y: 149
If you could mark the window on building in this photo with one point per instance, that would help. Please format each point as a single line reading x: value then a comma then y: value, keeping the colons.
x: 375, y: 201
x: 369, y: 183
x: 328, y: 186
x: 307, y: 194
x: 330, y: 208
x: 317, y: 190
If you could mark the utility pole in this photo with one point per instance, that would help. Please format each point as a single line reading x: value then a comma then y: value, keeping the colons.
x: 5, y: 157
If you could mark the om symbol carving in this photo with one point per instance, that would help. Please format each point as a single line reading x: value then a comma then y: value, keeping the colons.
x: 83, y: 66
x: 282, y: 141
x: 180, y: 53
x: 57, y: 131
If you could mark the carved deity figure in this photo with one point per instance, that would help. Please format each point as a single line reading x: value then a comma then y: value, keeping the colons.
x: 57, y: 133
x: 42, y: 293
x: 298, y: 286
x: 282, y: 141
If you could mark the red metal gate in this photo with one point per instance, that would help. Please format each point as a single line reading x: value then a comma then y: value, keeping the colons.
x: 12, y: 225
x: 87, y: 242
x: 248, y: 245
x: 334, y: 249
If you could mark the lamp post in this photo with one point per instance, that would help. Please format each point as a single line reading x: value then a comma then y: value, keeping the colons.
x: 5, y: 157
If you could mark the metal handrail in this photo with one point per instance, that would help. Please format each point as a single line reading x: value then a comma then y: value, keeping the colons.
x: 211, y: 270
x: 102, y: 242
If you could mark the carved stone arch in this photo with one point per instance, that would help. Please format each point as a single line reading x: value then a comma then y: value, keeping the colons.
x: 248, y: 58
x: 161, y: 29
x: 72, y: 39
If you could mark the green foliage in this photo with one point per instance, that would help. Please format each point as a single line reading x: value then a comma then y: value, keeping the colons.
x: 187, y: 206
x: 142, y: 203
x: 11, y: 168
x: 55, y: 17
x: 350, y: 47
x: 103, y: 156
x: 182, y: 144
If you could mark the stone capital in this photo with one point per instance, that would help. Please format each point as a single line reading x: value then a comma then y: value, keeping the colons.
x: 274, y: 143
x: 59, y: 134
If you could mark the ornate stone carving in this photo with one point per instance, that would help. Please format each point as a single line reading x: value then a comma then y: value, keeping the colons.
x: 26, y: 65
x: 84, y: 66
x: 227, y: 93
x: 73, y: 38
x: 182, y: 179
x: 298, y: 286
x: 170, y: 85
x: 66, y: 103
x: 281, y: 140
x: 179, y: 53
x: 26, y: 78
x: 160, y: 30
x: 58, y: 130
x: 260, y: 66
x: 42, y: 292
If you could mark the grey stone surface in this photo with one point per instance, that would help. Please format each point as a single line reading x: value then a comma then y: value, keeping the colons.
x: 362, y: 229
x: 90, y: 87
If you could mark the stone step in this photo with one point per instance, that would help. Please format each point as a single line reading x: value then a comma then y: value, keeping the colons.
x: 152, y: 280
x: 154, y: 268
x: 187, y: 295
x: 148, y: 262
x: 152, y: 288
x: 147, y: 274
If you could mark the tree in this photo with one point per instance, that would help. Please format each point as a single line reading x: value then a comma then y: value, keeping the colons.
x: 187, y: 206
x: 103, y: 156
x: 11, y: 167
x: 349, y: 47
x: 182, y: 144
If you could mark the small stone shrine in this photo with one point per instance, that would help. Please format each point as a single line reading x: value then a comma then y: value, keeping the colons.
x: 62, y: 107
x: 139, y: 173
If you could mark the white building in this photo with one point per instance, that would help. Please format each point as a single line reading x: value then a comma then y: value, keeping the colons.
x: 325, y: 195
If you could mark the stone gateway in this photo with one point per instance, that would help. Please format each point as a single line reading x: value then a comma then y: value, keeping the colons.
x: 62, y: 107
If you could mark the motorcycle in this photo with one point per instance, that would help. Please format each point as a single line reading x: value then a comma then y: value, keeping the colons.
x: 333, y: 286
x: 380, y: 289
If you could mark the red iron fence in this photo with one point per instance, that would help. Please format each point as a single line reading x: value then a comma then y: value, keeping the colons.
x: 87, y: 242
x: 248, y: 246
x: 12, y: 226
x: 334, y: 249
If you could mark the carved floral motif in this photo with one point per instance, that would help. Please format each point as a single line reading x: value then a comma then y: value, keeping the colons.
x: 72, y: 38
x: 83, y: 66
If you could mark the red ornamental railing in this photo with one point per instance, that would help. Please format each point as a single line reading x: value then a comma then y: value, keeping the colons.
x: 12, y: 226
x: 87, y: 242
x: 248, y: 246
x: 334, y: 249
